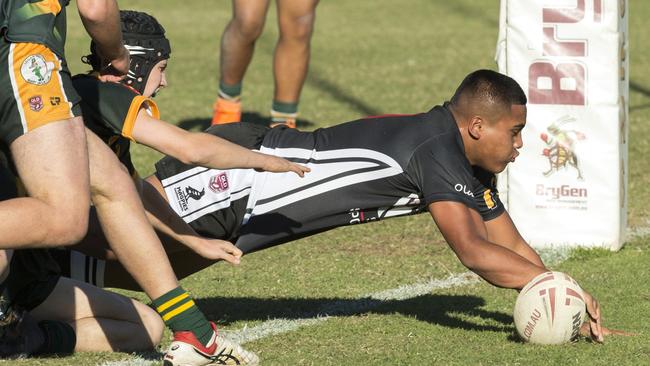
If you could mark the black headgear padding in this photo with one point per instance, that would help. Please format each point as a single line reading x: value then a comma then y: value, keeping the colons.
x: 145, y: 39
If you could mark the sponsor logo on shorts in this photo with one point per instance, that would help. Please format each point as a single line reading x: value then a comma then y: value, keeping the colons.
x: 36, y: 103
x: 35, y: 70
x: 183, y: 197
x: 55, y: 101
x: 219, y: 183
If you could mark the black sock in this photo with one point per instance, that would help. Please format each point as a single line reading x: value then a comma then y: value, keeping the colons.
x: 60, y: 338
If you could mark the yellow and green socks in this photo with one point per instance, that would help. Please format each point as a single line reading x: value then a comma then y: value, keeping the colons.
x: 180, y: 313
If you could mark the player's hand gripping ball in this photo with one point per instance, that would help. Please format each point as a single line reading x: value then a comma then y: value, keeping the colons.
x: 550, y: 309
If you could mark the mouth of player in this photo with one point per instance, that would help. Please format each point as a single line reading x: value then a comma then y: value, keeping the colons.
x: 514, y: 156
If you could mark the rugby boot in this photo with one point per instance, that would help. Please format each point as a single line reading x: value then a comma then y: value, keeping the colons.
x: 186, y: 350
x: 226, y: 111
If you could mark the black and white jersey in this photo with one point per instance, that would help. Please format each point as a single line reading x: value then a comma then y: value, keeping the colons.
x: 362, y: 171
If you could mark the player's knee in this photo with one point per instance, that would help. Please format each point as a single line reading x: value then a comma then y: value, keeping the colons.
x: 298, y: 29
x: 248, y: 27
x: 69, y: 228
x: 153, y: 324
x: 110, y: 183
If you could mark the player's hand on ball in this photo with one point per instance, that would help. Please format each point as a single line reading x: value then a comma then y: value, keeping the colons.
x: 216, y: 249
x: 594, y: 320
x: 279, y: 165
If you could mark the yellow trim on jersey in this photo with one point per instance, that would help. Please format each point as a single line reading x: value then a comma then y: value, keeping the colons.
x: 171, y: 302
x: 132, y: 115
x: 41, y: 102
x: 178, y: 310
x: 487, y: 197
x: 47, y: 6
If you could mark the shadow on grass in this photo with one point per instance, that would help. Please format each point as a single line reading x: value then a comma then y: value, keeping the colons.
x: 445, y: 310
x: 200, y: 124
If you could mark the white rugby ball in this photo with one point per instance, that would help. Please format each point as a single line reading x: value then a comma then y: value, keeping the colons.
x: 550, y: 309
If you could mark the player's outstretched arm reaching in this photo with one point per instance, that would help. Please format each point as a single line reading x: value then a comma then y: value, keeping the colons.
x: 128, y: 111
x: 502, y: 231
x: 511, y: 264
x: 202, y: 149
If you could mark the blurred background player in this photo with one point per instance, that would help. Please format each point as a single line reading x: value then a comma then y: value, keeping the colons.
x: 290, y: 63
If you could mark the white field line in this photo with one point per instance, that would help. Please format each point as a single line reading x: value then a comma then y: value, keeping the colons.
x: 349, y: 307
x: 334, y: 308
x: 551, y: 257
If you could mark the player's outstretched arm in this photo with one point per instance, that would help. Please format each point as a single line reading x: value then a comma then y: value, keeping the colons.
x: 165, y: 220
x: 502, y: 231
x: 202, y: 149
x: 465, y: 233
x: 456, y: 222
x: 101, y: 18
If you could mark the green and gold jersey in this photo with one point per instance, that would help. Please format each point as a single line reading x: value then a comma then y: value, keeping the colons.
x: 35, y: 21
x: 110, y: 111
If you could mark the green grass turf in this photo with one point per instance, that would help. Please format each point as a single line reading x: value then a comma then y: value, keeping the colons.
x: 373, y: 57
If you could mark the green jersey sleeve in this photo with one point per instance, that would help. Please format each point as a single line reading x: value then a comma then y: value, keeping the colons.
x: 110, y: 110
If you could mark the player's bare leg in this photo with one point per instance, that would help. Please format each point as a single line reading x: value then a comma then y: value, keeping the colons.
x: 52, y: 162
x: 296, y: 20
x: 239, y: 37
x: 124, y: 223
x: 237, y: 48
x: 137, y: 247
x: 102, y: 320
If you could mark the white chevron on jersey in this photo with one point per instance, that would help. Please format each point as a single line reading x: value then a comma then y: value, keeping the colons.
x: 403, y: 206
x: 196, y: 192
x: 330, y: 170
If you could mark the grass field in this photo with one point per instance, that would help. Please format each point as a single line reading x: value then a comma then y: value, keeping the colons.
x: 328, y: 295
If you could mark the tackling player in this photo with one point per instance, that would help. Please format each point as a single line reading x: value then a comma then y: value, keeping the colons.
x: 41, y: 126
x: 118, y: 113
x: 442, y: 162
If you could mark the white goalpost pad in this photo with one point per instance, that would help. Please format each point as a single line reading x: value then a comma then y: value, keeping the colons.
x: 568, y: 186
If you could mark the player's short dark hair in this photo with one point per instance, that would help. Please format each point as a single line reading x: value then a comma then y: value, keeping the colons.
x: 489, y: 87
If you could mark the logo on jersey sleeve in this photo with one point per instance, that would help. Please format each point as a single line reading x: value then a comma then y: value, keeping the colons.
x: 35, y: 70
x: 488, y: 199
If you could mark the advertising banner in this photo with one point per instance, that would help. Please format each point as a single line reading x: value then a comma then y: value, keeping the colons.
x: 568, y: 186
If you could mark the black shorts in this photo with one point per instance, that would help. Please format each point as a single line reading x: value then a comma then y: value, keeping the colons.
x: 32, y: 278
x: 33, y: 273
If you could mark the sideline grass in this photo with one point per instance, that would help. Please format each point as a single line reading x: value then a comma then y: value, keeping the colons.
x: 372, y: 57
